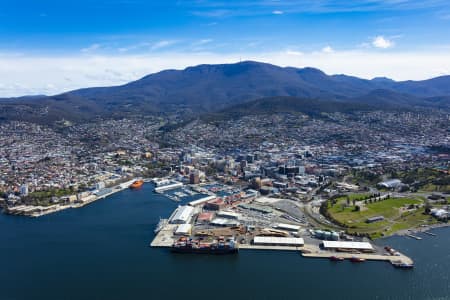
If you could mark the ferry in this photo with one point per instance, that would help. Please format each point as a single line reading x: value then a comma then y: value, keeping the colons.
x: 137, y: 184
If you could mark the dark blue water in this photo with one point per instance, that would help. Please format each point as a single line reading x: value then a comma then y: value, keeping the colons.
x: 101, y: 252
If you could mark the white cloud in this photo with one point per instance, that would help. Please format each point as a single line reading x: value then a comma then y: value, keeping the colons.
x: 327, y: 49
x: 294, y: 52
x: 91, y: 48
x: 277, y: 12
x: 202, y: 42
x: 162, y: 44
x: 382, y: 42
x: 25, y: 75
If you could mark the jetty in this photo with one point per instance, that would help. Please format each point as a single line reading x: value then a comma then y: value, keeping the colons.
x: 315, y: 252
x: 414, y: 236
x: 430, y: 233
x: 164, y: 238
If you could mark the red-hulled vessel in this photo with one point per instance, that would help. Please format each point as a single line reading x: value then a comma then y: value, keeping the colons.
x: 137, y: 184
x: 336, y: 258
x: 357, y: 259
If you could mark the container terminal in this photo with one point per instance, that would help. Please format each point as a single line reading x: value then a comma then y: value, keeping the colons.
x: 242, y: 220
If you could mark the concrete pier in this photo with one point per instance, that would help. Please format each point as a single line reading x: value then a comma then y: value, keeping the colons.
x: 314, y: 251
x: 263, y: 247
x: 164, y: 238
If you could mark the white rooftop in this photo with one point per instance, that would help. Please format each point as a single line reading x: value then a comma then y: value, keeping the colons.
x: 183, y: 228
x: 347, y: 245
x: 202, y: 200
x: 183, y: 213
x: 287, y: 226
x: 278, y: 240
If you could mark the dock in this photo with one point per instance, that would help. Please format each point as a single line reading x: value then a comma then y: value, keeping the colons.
x: 316, y: 252
x: 264, y: 247
x: 164, y: 238
x: 168, y: 187
x: 414, y: 237
x: 430, y: 233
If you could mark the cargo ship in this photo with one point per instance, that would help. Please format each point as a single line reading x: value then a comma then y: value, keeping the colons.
x: 219, y: 246
x: 137, y: 184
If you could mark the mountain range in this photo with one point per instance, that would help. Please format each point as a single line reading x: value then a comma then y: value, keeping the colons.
x: 213, y: 88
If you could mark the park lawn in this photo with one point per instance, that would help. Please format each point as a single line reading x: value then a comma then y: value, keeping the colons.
x: 51, y: 193
x: 356, y: 196
x: 411, y: 220
x: 389, y: 208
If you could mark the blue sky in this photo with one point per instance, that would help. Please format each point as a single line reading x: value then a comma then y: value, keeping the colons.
x: 49, y: 46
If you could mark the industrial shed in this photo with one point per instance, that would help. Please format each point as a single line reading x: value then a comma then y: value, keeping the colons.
x: 278, y: 241
x: 182, y: 215
x: 201, y: 200
x: 287, y: 227
x: 336, y: 245
x: 183, y: 229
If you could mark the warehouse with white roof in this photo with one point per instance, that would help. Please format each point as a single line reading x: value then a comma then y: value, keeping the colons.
x: 183, y: 229
x: 289, y: 227
x: 182, y: 214
x: 278, y: 241
x: 336, y: 245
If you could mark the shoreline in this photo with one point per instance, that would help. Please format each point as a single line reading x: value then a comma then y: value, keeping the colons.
x: 423, y: 229
x: 39, y: 211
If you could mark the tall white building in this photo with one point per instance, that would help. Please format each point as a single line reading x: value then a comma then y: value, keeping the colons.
x: 24, y: 190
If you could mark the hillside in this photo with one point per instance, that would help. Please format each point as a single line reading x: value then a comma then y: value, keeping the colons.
x: 312, y: 107
x: 209, y: 88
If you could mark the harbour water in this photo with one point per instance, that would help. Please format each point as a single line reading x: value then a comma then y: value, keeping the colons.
x: 101, y: 252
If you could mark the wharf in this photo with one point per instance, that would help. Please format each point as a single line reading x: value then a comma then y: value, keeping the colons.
x: 313, y: 251
x: 264, y: 247
x: 164, y: 238
x: 414, y: 237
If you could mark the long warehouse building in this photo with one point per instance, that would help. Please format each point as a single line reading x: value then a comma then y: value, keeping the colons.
x: 278, y: 241
x: 182, y: 215
x: 363, y: 246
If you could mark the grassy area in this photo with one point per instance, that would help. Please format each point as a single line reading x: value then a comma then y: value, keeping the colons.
x: 43, y: 197
x: 434, y: 188
x: 396, y: 217
x: 50, y: 193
